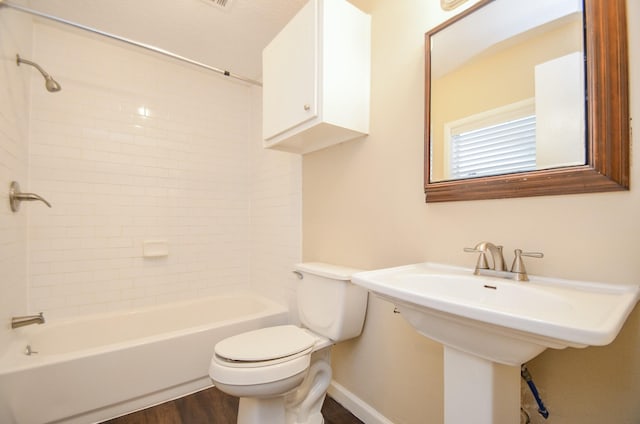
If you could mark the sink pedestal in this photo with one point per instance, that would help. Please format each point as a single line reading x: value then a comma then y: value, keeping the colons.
x: 479, y: 391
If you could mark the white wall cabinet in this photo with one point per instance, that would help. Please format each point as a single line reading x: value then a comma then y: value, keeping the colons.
x: 316, y: 78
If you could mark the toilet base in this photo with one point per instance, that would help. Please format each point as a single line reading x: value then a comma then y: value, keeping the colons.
x: 272, y: 410
x: 261, y: 410
x: 300, y: 406
x: 304, y: 405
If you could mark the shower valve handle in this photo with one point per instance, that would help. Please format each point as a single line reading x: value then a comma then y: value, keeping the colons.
x: 16, y: 196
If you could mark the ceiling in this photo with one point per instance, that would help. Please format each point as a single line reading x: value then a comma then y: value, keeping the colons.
x: 231, y: 39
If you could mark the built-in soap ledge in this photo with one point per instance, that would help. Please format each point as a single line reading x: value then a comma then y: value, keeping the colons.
x: 155, y: 248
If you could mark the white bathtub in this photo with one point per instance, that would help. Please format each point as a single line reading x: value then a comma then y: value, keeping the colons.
x: 92, y: 369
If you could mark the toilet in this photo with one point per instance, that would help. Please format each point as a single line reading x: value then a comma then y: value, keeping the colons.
x: 281, y: 374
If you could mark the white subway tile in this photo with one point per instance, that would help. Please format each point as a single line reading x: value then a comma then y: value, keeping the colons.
x: 192, y: 172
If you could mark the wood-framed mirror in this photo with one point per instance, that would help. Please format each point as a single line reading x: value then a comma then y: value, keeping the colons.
x: 603, y: 165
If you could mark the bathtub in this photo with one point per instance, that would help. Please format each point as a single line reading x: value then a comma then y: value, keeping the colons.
x: 99, y: 367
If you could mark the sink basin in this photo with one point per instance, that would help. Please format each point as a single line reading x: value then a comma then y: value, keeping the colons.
x: 502, y: 320
x: 489, y: 326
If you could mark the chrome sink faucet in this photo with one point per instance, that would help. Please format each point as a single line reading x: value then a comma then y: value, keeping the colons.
x: 518, y: 271
x: 496, y: 254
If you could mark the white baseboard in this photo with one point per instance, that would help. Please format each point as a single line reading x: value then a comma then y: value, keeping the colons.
x: 355, y: 405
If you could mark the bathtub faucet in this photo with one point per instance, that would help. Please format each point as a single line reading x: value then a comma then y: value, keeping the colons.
x: 17, y: 322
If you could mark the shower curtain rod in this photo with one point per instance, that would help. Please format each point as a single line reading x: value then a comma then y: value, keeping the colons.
x: 128, y: 41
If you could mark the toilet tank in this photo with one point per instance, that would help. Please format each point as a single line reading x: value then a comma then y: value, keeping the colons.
x: 329, y: 304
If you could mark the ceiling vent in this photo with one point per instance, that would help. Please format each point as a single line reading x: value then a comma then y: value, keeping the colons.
x: 221, y: 4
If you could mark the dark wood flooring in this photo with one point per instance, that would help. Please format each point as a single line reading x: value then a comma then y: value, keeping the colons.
x: 211, y: 406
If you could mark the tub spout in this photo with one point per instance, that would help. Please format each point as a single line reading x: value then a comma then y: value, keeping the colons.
x: 17, y: 322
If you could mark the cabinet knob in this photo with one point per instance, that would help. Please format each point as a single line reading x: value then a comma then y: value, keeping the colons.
x: 307, y: 107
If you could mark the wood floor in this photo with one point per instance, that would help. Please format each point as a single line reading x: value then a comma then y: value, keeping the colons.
x: 211, y: 406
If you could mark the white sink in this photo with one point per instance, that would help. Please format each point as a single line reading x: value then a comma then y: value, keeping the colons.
x: 493, y: 325
x: 480, y: 315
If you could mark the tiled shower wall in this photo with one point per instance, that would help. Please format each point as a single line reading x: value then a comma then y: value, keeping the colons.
x: 276, y: 216
x: 15, y: 37
x: 140, y: 148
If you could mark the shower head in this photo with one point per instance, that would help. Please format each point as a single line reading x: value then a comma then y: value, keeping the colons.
x: 51, y: 84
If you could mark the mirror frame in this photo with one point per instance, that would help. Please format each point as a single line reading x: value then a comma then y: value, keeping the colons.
x: 608, y: 121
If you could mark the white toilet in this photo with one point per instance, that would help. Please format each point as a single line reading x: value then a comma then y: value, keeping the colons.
x: 281, y: 374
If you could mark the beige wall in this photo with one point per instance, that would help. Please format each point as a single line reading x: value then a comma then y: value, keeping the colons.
x: 363, y: 206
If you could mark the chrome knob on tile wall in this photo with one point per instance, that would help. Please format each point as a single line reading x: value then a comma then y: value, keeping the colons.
x: 16, y: 196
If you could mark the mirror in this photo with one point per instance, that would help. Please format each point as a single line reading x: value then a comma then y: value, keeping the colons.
x: 513, y: 98
x: 561, y: 123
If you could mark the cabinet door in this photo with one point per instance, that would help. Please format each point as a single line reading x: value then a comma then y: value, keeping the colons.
x: 289, y: 66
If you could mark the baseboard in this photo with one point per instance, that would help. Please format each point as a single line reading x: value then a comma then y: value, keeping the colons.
x: 365, y: 412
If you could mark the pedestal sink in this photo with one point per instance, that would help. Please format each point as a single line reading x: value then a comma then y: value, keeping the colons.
x: 490, y: 326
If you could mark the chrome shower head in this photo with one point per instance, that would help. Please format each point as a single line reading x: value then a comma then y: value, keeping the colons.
x: 51, y: 84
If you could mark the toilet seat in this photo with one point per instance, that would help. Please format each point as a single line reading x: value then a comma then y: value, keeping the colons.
x: 262, y: 356
x: 265, y: 346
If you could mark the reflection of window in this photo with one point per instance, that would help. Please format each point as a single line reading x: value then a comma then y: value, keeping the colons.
x: 500, y: 141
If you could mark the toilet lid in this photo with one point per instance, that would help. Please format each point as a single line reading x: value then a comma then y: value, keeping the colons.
x: 265, y: 344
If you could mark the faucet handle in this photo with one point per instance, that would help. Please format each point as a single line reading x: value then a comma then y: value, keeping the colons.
x: 482, y: 258
x: 518, y: 263
x: 16, y: 196
x: 496, y: 253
